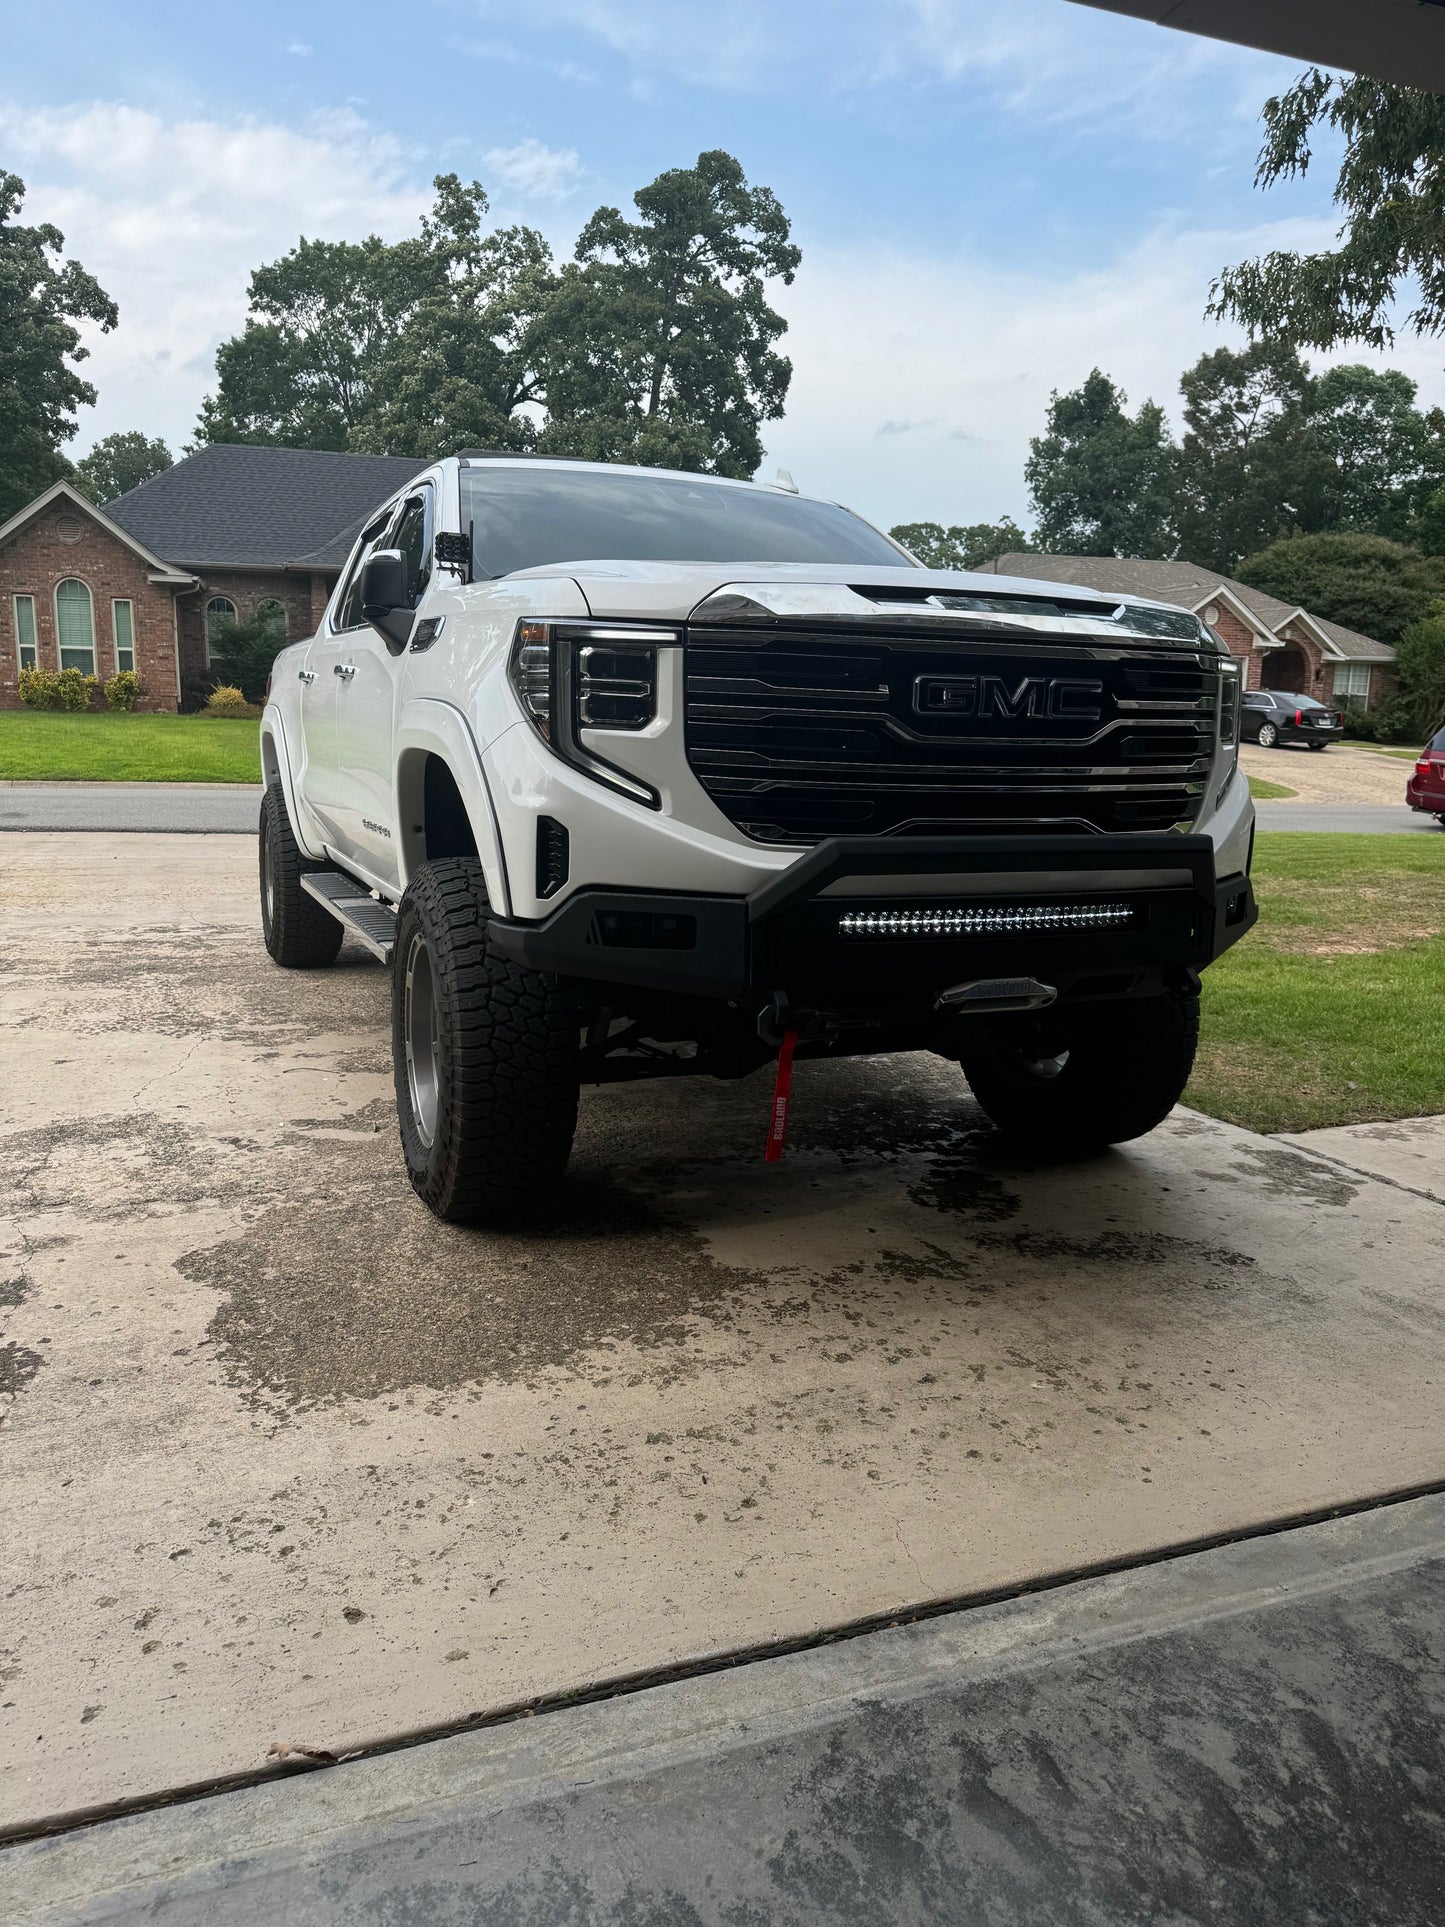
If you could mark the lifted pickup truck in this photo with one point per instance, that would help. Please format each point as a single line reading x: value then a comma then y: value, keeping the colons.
x: 630, y: 773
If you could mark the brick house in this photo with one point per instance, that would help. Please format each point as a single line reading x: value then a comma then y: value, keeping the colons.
x: 143, y: 582
x: 1279, y: 646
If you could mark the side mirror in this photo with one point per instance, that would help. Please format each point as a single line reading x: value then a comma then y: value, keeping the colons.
x: 384, y: 600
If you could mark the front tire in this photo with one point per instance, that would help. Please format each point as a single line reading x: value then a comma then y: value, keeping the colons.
x: 485, y: 1056
x: 1268, y: 737
x: 1069, y: 1082
x: 298, y: 932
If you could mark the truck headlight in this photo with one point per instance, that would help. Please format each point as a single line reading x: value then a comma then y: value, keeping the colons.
x: 1229, y: 705
x: 571, y: 676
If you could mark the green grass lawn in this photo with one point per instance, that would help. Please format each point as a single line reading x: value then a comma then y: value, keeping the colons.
x: 1332, y: 1009
x: 1263, y: 791
x: 1382, y: 749
x: 49, y: 746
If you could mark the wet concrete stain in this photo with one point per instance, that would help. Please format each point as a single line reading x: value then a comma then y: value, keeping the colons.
x: 1290, y: 1174
x: 115, y: 1166
x: 19, y: 1364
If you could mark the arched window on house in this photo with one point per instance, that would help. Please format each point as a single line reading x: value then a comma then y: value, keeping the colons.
x: 273, y: 614
x: 220, y: 614
x: 75, y: 625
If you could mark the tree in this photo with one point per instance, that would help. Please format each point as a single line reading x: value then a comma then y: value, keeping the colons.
x: 413, y: 347
x: 1420, y: 665
x: 660, y: 339
x: 1363, y: 581
x: 960, y: 547
x: 41, y: 301
x: 242, y: 652
x: 1251, y: 469
x: 1377, y: 447
x: 1391, y: 187
x: 1102, y: 480
x: 120, y: 462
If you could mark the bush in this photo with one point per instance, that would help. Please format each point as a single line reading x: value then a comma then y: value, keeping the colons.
x: 1359, y: 722
x: 123, y: 689
x: 244, y: 651
x: 226, y: 701
x: 40, y: 689
x: 76, y: 689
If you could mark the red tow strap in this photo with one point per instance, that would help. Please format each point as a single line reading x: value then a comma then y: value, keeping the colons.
x: 782, y: 1091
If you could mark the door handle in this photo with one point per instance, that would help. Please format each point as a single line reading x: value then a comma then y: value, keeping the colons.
x: 305, y: 675
x: 346, y: 670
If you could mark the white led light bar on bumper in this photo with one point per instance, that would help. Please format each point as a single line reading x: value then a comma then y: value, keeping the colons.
x: 1015, y: 919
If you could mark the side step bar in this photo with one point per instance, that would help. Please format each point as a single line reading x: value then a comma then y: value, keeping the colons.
x: 353, y: 906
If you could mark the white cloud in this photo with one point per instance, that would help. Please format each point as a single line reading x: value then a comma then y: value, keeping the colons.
x: 171, y: 217
x: 300, y: 49
x: 892, y: 352
x: 534, y: 171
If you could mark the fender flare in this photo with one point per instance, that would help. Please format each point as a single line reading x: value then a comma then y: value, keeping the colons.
x: 425, y: 727
x: 276, y: 767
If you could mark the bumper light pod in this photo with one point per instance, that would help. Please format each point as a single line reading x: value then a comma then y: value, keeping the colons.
x: 1024, y: 919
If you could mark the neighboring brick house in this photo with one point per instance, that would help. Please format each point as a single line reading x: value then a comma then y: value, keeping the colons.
x: 142, y: 582
x: 1281, y: 647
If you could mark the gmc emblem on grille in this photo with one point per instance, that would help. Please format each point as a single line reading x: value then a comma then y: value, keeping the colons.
x: 1056, y: 699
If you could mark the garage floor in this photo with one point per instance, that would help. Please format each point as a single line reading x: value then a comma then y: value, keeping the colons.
x: 285, y: 1461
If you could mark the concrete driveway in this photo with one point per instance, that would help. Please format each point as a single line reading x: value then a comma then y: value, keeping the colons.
x: 285, y: 1461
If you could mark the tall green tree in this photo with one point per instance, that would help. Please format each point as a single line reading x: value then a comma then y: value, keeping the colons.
x: 1420, y: 665
x: 1378, y: 448
x: 1391, y: 191
x: 961, y: 546
x: 1102, y: 480
x: 120, y: 462
x: 1369, y: 584
x: 1251, y: 468
x: 42, y: 300
x: 660, y: 342
x: 411, y: 347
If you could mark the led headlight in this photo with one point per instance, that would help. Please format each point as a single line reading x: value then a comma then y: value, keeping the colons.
x: 571, y: 676
x: 1229, y: 704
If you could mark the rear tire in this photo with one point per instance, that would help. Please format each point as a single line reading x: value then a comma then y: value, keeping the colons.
x: 1069, y: 1082
x: 298, y: 932
x: 485, y: 1056
x: 1268, y: 737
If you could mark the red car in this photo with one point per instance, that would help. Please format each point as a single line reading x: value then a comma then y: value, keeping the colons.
x: 1426, y: 787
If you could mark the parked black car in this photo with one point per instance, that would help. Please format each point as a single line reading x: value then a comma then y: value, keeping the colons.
x: 1274, y: 716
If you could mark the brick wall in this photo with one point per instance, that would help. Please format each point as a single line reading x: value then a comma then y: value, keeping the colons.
x: 64, y: 542
x: 303, y: 597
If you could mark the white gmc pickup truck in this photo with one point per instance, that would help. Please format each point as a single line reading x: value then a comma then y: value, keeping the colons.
x: 630, y: 773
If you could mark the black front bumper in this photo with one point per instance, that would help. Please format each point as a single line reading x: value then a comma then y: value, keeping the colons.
x: 789, y: 935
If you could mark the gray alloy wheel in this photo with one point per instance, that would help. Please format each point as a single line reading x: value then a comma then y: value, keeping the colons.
x: 1268, y: 736
x: 419, y: 1033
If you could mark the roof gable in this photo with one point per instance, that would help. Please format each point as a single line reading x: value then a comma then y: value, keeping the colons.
x: 246, y: 505
x: 63, y: 491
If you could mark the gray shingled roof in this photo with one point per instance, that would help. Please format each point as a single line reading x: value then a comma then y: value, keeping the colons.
x: 1180, y: 582
x: 237, y: 505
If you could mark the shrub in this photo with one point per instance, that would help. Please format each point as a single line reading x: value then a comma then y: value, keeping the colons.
x: 40, y: 689
x: 1359, y: 722
x: 226, y: 700
x: 244, y: 651
x: 76, y: 689
x: 122, y: 690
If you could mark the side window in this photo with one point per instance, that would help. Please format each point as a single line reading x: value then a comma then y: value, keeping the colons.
x: 1256, y: 702
x: 348, y: 609
x: 413, y: 538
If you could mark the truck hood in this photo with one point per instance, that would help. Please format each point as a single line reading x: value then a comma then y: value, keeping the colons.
x: 703, y: 591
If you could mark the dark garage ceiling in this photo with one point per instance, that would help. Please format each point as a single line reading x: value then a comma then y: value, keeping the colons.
x: 1401, y: 40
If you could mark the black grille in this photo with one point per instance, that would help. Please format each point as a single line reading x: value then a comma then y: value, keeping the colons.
x: 798, y: 734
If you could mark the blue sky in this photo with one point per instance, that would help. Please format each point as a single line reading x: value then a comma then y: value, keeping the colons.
x: 991, y: 195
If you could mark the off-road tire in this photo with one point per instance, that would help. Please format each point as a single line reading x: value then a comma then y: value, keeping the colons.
x: 299, y: 934
x: 506, y: 1058
x: 1127, y: 1064
x: 1268, y: 737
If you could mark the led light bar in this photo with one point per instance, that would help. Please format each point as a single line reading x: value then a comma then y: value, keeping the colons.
x: 999, y: 921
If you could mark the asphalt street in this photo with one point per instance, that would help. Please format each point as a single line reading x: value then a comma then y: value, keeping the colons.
x: 169, y: 807
x: 1374, y: 819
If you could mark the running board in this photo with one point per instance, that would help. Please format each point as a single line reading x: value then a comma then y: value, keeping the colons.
x: 354, y: 907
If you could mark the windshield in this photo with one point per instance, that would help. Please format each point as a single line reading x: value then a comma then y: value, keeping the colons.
x: 525, y: 518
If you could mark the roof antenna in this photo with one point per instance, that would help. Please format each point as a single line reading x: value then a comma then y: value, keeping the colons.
x: 785, y: 482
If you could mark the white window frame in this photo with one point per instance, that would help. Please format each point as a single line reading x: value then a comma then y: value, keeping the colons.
x: 62, y: 647
x: 1352, y: 680
x: 25, y: 649
x: 117, y: 603
x: 206, y: 619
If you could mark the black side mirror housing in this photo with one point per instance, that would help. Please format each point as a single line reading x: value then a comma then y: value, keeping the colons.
x: 384, y: 599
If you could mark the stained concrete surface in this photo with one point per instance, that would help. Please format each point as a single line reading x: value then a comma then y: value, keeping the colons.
x: 1254, y: 1733
x: 1409, y: 1152
x: 286, y: 1461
